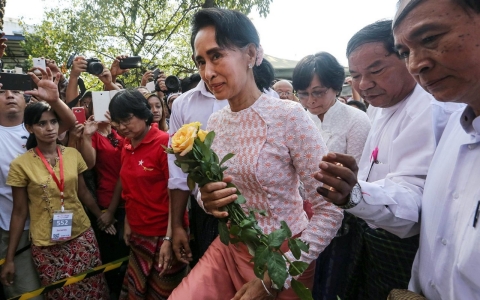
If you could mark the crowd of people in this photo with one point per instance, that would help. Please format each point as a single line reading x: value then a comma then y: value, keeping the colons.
x: 385, y: 197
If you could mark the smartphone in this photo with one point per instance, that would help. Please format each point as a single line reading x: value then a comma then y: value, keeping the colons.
x: 131, y: 62
x: 16, y: 82
x: 79, y: 113
x: 151, y: 86
x: 39, y: 63
x: 155, y: 74
x: 100, y: 101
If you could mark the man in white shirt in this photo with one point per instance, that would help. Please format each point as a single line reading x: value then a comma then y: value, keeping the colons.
x: 387, y: 191
x: 195, y: 105
x: 440, y: 42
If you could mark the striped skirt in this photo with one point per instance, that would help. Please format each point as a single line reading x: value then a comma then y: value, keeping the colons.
x: 67, y: 259
x: 143, y: 280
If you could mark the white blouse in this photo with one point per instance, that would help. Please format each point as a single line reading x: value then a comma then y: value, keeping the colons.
x: 344, y: 129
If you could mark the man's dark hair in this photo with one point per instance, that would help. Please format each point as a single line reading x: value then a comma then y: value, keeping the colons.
x: 378, y: 32
x: 232, y: 30
x: 190, y: 82
x: 330, y: 73
x: 130, y: 102
x: 467, y: 5
x: 358, y: 104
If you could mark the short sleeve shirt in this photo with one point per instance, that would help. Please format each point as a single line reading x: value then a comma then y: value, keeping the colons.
x: 29, y: 171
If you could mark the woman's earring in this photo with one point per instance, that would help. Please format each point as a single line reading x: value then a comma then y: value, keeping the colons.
x: 250, y: 66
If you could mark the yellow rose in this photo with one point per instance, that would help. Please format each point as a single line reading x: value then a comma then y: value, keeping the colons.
x: 202, y: 134
x: 183, y: 139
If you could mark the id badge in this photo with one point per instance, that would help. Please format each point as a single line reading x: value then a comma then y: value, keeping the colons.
x: 62, y: 225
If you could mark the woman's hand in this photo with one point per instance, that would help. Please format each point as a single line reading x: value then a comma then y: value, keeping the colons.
x: 147, y: 76
x: 90, y: 126
x: 105, y: 220
x: 47, y: 89
x: 8, y: 273
x: 127, y: 232
x: 216, y: 195
x: 165, y: 257
x: 111, y: 230
x: 76, y: 131
x: 115, y: 69
x: 254, y: 289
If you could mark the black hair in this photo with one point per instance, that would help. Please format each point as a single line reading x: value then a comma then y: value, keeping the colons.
x: 190, y: 82
x: 31, y: 116
x: 327, y: 68
x: 467, y: 5
x: 378, y: 32
x: 358, y: 104
x: 118, y: 80
x: 130, y: 102
x: 232, y: 30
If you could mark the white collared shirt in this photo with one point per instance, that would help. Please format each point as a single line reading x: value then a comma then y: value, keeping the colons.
x: 195, y: 105
x: 406, y: 135
x: 448, y: 261
x: 344, y: 129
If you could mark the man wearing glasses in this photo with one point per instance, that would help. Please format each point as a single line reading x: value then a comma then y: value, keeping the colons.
x: 385, y: 190
x: 284, y: 89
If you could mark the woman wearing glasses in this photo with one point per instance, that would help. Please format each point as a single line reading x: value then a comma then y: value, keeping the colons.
x: 152, y: 270
x: 318, y: 80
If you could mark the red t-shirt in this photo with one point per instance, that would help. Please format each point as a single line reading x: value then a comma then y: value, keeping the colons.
x: 144, y: 176
x: 107, y: 166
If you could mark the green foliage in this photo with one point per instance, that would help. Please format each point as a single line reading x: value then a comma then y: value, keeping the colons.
x: 158, y: 30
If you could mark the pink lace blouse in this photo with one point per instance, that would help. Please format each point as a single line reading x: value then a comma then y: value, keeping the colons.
x: 276, y: 146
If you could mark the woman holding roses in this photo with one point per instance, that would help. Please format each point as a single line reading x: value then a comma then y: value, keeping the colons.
x: 152, y: 270
x: 276, y: 146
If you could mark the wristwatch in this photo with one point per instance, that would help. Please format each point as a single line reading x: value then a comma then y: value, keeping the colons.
x: 355, y: 197
x: 167, y: 238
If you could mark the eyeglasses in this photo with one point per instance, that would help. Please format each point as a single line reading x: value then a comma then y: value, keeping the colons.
x: 124, y: 122
x: 315, y: 94
x: 15, y: 92
x: 287, y: 94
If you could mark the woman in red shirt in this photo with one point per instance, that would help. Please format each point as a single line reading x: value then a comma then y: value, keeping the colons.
x: 152, y: 271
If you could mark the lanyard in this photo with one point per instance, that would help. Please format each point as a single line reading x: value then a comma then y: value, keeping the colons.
x: 61, y: 183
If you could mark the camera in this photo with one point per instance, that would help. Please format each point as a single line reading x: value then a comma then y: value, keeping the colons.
x: 173, y: 84
x: 94, y: 66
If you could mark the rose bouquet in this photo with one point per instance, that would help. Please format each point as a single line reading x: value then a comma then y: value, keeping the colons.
x: 192, y: 148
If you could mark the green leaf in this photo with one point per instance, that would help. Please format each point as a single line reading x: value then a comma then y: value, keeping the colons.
x: 301, y: 290
x: 304, y: 247
x: 223, y: 232
x: 226, y: 157
x: 235, y: 230
x: 262, y: 213
x: 277, y: 268
x: 262, y: 253
x: 248, y: 234
x: 285, y: 227
x: 209, y: 139
x: 297, y: 268
x: 190, y: 183
x: 240, y: 200
x: 276, y: 238
x: 292, y: 245
x: 185, y: 167
x: 246, y: 223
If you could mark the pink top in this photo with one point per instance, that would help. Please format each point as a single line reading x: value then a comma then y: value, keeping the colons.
x: 277, y: 145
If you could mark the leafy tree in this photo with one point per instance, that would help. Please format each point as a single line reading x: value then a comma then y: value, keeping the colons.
x: 157, y: 30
